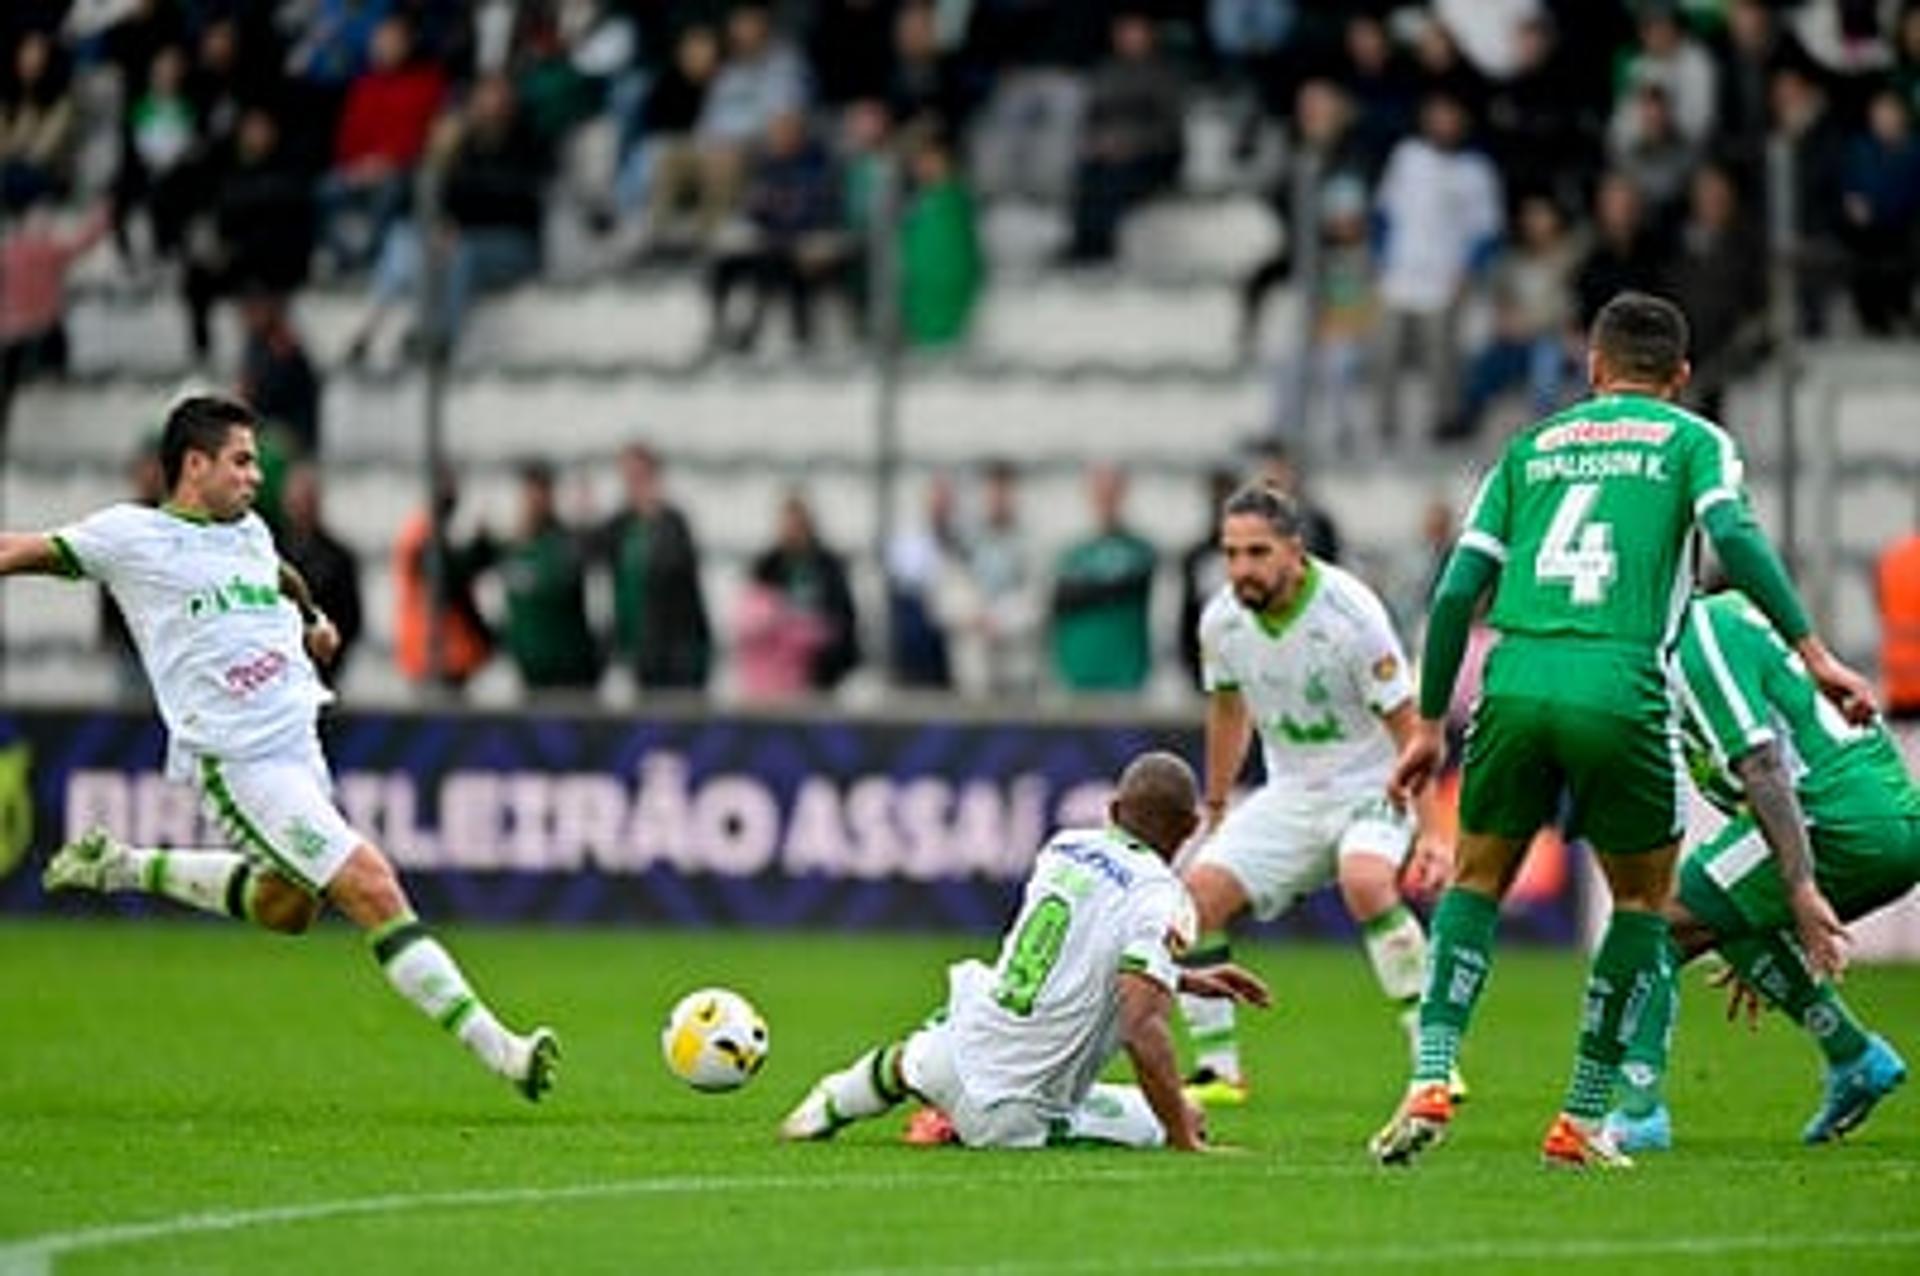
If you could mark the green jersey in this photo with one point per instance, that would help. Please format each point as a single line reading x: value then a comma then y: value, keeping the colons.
x: 1740, y: 686
x: 1589, y: 513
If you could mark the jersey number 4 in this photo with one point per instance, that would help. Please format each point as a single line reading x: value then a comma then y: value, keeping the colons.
x: 1576, y: 552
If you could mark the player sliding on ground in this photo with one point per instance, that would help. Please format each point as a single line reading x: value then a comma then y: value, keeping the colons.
x: 1088, y: 968
x: 1835, y: 804
x: 1302, y: 653
x: 228, y: 634
x: 1582, y: 531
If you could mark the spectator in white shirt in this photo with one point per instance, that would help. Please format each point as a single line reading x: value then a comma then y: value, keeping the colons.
x: 1442, y: 213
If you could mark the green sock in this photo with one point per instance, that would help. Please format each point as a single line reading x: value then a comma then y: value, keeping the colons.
x: 1774, y: 964
x: 1644, y: 1065
x: 1461, y: 949
x: 1626, y: 979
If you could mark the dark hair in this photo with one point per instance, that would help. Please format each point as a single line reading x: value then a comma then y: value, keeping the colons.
x: 1641, y: 337
x: 1263, y: 500
x: 201, y: 424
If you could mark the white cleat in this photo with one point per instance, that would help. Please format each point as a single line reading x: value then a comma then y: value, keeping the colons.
x: 814, y: 1118
x: 84, y: 864
x: 536, y: 1064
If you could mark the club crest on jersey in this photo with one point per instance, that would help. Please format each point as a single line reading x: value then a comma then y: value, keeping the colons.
x: 1385, y: 668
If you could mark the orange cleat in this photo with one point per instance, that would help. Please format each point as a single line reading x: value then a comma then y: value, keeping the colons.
x: 929, y: 1127
x: 1418, y: 1123
x: 1580, y: 1145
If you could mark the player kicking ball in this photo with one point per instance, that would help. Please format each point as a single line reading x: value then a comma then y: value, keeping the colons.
x: 1304, y: 654
x: 1088, y: 968
x: 1834, y: 804
x: 228, y: 634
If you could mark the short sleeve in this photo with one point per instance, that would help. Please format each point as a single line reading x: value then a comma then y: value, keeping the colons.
x: 1714, y: 471
x: 99, y: 545
x: 1216, y: 674
x: 1486, y: 528
x: 1152, y: 925
x: 1721, y: 690
x: 1378, y: 663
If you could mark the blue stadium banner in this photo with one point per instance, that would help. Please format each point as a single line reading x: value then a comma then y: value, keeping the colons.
x: 690, y: 820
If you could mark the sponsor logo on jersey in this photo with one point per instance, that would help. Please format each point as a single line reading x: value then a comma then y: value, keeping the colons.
x: 1323, y: 730
x: 235, y: 595
x: 1602, y: 433
x: 247, y: 678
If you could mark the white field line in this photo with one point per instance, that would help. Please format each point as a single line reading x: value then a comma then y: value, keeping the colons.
x: 36, y: 1255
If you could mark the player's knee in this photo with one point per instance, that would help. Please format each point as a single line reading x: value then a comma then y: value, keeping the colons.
x: 1368, y: 886
x: 367, y: 889
x: 1217, y: 897
x: 279, y: 905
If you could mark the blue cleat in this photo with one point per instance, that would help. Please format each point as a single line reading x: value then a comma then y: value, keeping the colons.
x: 1650, y: 1133
x: 1853, y: 1089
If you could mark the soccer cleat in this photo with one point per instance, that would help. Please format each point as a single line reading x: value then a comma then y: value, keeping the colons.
x: 1854, y: 1088
x: 84, y: 863
x: 1212, y: 1089
x: 538, y: 1068
x: 1420, y: 1122
x: 1571, y: 1144
x: 929, y: 1127
x: 1650, y: 1133
x: 813, y: 1118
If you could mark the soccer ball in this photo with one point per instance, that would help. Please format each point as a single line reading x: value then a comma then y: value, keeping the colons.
x: 714, y: 1040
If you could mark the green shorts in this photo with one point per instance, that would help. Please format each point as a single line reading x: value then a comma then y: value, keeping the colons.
x: 1619, y: 775
x: 1731, y: 883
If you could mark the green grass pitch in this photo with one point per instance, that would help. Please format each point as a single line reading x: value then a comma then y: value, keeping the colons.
x: 196, y: 1098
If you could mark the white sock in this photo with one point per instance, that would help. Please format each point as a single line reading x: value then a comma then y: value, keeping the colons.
x: 211, y: 881
x: 1397, y: 948
x: 866, y: 1087
x: 1210, y: 1027
x: 423, y: 972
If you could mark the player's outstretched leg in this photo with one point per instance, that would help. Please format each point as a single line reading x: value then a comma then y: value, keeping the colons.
x: 1862, y: 1068
x: 1634, y: 959
x: 867, y: 1087
x: 214, y: 881
x: 1212, y: 1027
x: 421, y: 970
x: 1462, y: 956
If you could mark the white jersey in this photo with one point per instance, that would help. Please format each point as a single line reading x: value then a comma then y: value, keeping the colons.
x: 1042, y: 1023
x: 1316, y: 681
x: 222, y: 646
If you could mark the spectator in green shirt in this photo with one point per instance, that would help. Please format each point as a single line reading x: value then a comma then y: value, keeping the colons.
x: 1102, y: 588
x: 660, y: 626
x: 544, y: 571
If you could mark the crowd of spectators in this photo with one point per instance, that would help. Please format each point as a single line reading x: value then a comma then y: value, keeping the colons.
x: 1474, y: 178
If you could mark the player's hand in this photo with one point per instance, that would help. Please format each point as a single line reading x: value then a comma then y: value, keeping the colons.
x: 1430, y: 868
x: 322, y: 639
x: 1742, y: 997
x: 1839, y: 682
x: 1227, y: 980
x: 1420, y: 759
x: 1822, y: 934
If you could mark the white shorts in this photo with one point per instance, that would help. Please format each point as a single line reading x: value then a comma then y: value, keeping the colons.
x: 1281, y: 844
x: 1112, y: 1114
x: 279, y: 810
